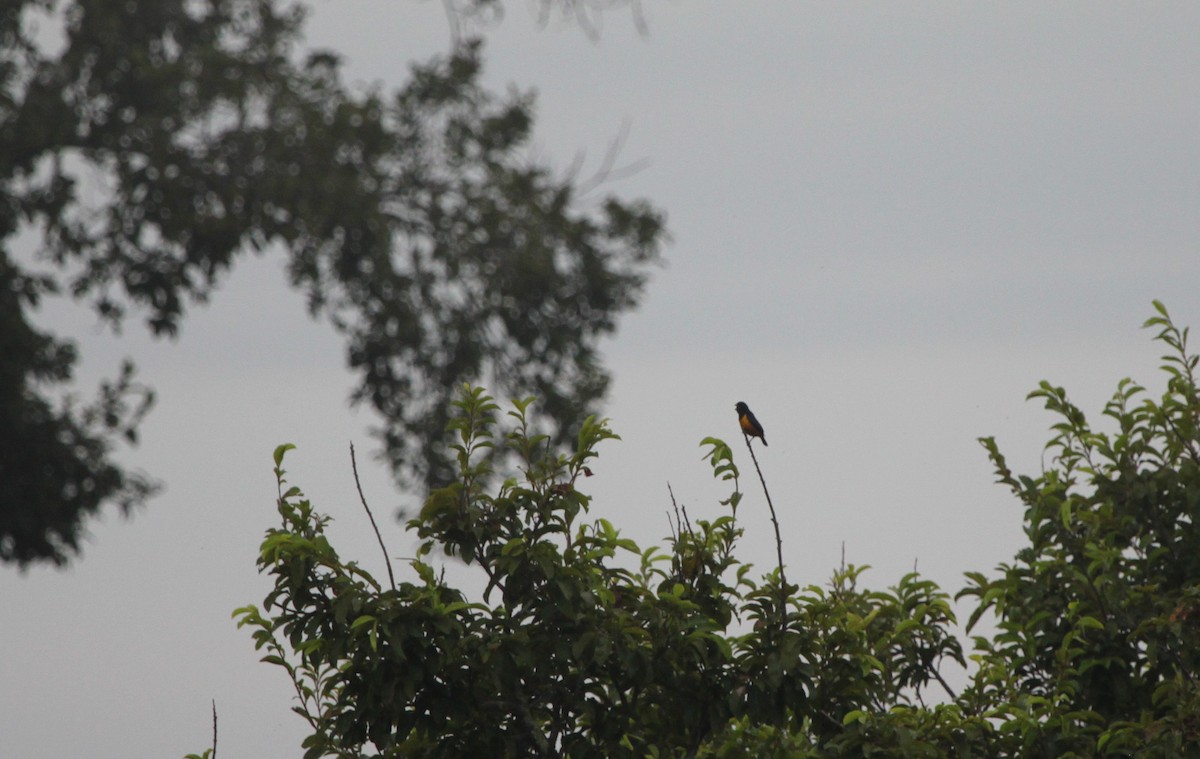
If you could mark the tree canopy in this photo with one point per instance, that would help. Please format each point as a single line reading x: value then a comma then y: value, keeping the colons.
x: 585, y: 644
x: 412, y: 219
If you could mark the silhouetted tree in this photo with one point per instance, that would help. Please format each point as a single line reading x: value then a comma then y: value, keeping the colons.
x: 163, y: 140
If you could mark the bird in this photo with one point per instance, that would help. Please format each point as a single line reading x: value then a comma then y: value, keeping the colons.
x: 749, y: 423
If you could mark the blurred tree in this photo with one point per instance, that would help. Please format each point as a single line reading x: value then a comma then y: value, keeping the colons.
x: 158, y: 141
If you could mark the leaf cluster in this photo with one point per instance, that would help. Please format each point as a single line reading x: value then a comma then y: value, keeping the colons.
x: 1097, y: 635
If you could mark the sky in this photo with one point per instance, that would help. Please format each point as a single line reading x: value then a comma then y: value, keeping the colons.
x: 888, y: 223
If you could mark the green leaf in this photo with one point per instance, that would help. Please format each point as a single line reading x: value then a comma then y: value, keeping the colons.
x: 280, y: 450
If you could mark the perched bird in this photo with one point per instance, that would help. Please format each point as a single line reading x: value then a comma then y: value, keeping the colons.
x: 749, y: 424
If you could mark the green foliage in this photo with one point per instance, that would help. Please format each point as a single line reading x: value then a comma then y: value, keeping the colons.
x: 582, y: 643
x: 1097, y: 641
x: 413, y: 221
x: 585, y: 644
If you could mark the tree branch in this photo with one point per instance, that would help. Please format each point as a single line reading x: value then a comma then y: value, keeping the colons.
x: 783, y: 591
x: 386, y: 560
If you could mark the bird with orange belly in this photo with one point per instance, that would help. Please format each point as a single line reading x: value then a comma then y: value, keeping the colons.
x: 749, y: 423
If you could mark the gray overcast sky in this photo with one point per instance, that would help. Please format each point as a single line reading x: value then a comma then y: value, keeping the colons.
x: 889, y: 222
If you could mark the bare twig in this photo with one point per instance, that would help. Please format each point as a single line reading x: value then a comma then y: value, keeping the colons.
x: 783, y: 589
x: 214, y: 746
x: 678, y: 519
x: 464, y: 17
x: 588, y: 14
x: 386, y: 561
x: 608, y: 170
x: 839, y: 578
x: 454, y: 23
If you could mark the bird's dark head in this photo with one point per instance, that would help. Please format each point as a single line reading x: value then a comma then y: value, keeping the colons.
x: 742, y: 408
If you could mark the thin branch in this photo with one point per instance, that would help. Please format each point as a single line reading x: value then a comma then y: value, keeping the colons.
x: 386, y: 561
x: 607, y: 171
x: 494, y: 580
x: 304, y: 712
x: 588, y: 14
x: 945, y: 685
x: 214, y: 746
x: 465, y: 16
x: 783, y: 591
x: 678, y: 520
x: 453, y: 22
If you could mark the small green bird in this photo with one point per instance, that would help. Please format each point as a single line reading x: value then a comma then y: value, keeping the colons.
x: 749, y: 423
